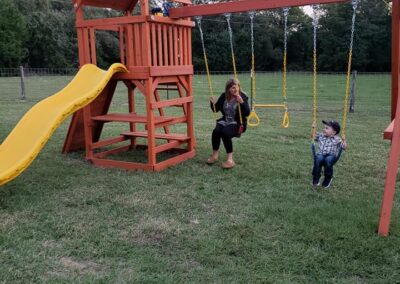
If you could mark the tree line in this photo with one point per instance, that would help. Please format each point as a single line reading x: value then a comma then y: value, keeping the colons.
x: 42, y: 33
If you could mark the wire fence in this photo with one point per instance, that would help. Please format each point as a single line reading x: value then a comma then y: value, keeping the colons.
x: 31, y: 72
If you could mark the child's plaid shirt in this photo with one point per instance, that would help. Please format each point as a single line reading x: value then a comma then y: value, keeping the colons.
x: 328, y: 145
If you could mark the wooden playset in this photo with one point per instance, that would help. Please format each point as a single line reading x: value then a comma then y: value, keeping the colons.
x: 157, y: 52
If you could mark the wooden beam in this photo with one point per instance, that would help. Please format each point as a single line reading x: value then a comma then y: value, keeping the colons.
x: 388, y: 133
x: 165, y: 20
x: 173, y: 161
x: 108, y: 142
x: 122, y: 5
x: 111, y: 21
x: 242, y: 6
x: 106, y: 163
x: 394, y: 153
x: 187, y: 2
x: 395, y: 55
x: 173, y: 102
x: 171, y: 70
x: 144, y: 134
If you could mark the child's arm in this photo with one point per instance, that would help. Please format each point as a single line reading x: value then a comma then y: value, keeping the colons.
x: 341, y: 142
x: 317, y: 136
x: 344, y: 144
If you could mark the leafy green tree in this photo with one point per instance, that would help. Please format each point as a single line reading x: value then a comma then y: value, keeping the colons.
x: 51, y: 40
x: 12, y: 35
x: 371, y: 42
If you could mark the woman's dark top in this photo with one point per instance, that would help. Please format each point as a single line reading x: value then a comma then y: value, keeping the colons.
x: 230, y: 111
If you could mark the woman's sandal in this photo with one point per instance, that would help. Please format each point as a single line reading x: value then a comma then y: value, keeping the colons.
x: 212, y: 160
x: 228, y: 164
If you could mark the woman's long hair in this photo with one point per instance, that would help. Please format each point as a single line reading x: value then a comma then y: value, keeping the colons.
x: 230, y: 83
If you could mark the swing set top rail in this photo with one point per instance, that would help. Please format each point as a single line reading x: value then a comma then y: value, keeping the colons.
x: 242, y: 6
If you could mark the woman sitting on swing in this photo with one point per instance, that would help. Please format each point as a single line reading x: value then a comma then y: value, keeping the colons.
x: 234, y: 108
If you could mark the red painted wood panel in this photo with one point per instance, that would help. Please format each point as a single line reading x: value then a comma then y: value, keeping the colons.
x: 175, y: 34
x: 153, y: 45
x: 93, y: 47
x: 180, y: 49
x: 122, y: 44
x: 138, y: 41
x: 165, y: 44
x: 170, y: 46
x: 159, y: 46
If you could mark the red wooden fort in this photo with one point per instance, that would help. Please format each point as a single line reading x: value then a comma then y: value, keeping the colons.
x: 158, y: 54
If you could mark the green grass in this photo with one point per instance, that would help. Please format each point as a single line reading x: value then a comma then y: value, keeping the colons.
x: 64, y: 221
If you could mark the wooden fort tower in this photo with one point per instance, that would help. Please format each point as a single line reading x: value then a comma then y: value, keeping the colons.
x: 157, y: 52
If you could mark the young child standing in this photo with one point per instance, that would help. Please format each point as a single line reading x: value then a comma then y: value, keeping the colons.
x: 329, y: 144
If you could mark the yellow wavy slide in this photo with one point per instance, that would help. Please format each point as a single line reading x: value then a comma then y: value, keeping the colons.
x: 35, y: 128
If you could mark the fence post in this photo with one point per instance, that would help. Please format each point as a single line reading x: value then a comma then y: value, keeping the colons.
x: 23, y: 95
x: 353, y: 91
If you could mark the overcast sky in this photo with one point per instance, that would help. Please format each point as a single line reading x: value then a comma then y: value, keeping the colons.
x: 308, y: 10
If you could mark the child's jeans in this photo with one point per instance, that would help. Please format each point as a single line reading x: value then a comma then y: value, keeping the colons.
x: 326, y: 161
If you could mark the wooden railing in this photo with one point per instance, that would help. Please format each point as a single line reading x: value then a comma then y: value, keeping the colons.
x: 150, y: 41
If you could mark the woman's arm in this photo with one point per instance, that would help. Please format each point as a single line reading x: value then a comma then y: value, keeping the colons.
x: 244, y: 105
x: 218, y: 104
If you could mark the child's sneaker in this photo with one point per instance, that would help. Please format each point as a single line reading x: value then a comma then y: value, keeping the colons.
x: 327, y: 182
x: 316, y: 182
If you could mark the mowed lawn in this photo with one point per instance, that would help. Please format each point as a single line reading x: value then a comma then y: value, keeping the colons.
x: 63, y: 220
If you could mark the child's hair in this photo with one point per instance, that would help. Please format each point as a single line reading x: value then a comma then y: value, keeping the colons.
x: 230, y: 83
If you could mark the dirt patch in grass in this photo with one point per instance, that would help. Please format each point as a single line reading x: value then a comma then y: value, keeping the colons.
x: 51, y: 244
x: 151, y: 231
x: 81, y: 267
x: 71, y: 268
x: 7, y: 220
x: 134, y: 200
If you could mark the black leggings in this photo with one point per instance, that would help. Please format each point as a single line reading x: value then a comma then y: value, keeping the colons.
x: 226, y: 133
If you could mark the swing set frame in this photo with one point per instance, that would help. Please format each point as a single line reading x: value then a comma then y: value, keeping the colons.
x: 393, y: 130
x: 157, y: 52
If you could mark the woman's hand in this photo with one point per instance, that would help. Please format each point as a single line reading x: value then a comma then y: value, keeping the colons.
x: 239, y: 98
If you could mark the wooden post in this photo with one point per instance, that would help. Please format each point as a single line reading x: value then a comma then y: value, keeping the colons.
x: 353, y: 91
x: 395, y: 55
x: 393, y: 161
x: 23, y: 94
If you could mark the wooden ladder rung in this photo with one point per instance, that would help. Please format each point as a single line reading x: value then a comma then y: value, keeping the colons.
x: 130, y: 117
x: 178, y: 137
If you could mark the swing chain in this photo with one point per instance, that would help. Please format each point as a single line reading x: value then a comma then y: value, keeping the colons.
x: 315, y: 22
x: 198, y: 19
x: 347, y: 92
x: 228, y: 20
x: 353, y: 22
x: 285, y: 14
x: 253, y: 73
x: 354, y: 3
x: 252, y: 39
